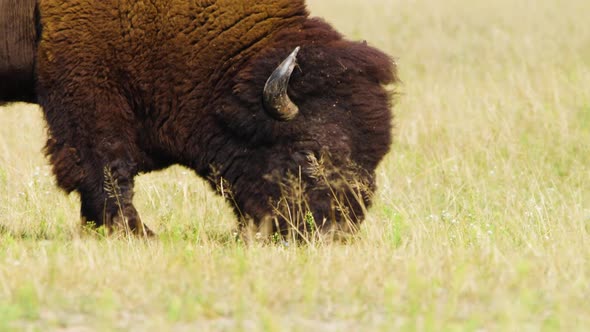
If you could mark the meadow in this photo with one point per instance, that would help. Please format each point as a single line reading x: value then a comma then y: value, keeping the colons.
x: 481, y: 221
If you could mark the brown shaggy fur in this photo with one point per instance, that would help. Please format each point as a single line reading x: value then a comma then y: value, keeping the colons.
x: 17, y: 50
x: 133, y: 86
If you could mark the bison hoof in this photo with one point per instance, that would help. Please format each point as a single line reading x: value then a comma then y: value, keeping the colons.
x: 132, y: 225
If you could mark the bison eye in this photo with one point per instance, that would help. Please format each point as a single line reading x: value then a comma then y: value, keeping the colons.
x: 304, y: 157
x: 307, y: 160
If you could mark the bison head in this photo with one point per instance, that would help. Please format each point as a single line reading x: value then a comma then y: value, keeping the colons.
x: 305, y: 126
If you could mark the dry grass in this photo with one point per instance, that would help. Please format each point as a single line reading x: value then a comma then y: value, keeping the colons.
x: 482, y: 220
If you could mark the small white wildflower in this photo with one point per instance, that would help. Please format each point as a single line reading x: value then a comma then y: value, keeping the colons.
x: 445, y: 215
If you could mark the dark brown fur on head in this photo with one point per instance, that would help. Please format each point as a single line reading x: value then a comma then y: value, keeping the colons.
x: 344, y: 118
x: 132, y: 86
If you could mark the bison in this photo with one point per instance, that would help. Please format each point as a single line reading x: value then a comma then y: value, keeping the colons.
x: 280, y: 113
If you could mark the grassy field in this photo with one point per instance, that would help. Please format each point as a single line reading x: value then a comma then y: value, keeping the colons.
x: 482, y: 220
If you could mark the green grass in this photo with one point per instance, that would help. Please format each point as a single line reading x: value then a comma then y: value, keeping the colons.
x: 482, y: 219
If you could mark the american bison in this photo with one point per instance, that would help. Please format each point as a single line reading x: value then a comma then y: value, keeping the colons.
x: 274, y: 108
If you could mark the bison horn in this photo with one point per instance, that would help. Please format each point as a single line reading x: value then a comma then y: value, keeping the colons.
x: 276, y: 101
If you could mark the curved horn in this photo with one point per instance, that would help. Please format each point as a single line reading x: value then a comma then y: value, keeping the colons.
x: 276, y: 101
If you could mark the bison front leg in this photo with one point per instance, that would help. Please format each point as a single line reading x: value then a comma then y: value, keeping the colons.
x: 93, y: 130
x: 100, y: 163
x: 111, y: 203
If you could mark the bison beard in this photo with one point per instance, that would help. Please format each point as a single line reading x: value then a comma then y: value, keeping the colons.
x: 133, y: 86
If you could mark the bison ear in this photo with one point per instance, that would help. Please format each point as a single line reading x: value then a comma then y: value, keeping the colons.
x: 275, y: 99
